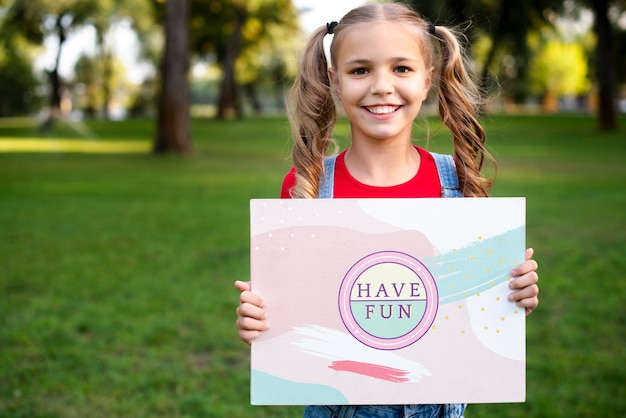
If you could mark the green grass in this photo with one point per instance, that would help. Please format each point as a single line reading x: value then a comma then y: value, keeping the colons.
x: 116, y: 271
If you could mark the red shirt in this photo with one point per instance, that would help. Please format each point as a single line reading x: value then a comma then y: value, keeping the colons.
x: 425, y: 183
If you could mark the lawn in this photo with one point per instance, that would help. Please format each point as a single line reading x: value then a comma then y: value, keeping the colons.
x: 116, y: 269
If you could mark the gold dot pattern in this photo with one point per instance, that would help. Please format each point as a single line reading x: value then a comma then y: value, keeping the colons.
x: 485, y: 306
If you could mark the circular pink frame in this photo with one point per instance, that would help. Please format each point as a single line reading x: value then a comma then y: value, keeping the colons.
x: 351, y: 277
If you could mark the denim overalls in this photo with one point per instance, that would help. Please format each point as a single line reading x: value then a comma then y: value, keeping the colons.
x: 449, y: 188
x: 445, y: 168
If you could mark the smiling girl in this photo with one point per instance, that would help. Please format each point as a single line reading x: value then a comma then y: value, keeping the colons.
x: 384, y: 60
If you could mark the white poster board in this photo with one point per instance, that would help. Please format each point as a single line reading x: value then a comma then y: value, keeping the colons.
x: 387, y: 301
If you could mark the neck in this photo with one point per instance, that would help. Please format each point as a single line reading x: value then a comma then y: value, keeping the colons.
x: 382, y: 164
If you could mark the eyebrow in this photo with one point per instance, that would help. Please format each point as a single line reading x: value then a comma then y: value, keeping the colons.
x: 363, y: 61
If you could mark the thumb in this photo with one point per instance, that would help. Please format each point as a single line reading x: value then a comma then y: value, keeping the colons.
x: 242, y: 286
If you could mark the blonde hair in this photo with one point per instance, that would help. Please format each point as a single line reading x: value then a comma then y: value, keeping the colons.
x: 314, y: 114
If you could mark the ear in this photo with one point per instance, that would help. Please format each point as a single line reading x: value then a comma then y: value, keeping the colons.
x: 334, y: 80
x: 428, y: 82
x: 430, y: 73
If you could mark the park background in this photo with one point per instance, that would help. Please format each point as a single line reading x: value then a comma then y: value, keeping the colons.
x: 124, y: 211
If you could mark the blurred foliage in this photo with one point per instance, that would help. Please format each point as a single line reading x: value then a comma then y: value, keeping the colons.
x: 90, y: 73
x: 17, y: 79
x: 212, y: 24
x: 36, y: 20
x: 138, y: 13
x: 506, y: 22
x: 270, y: 37
x: 500, y: 31
x: 560, y: 68
x: 249, y: 40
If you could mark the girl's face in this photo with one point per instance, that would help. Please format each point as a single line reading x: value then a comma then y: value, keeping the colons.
x: 381, y: 79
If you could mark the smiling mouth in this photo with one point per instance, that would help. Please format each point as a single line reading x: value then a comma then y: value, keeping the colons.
x: 382, y: 110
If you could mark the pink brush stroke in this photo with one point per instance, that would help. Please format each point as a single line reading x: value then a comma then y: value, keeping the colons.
x: 372, y: 370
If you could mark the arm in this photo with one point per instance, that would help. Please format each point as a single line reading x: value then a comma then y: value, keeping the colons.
x: 250, y: 314
x: 524, y: 284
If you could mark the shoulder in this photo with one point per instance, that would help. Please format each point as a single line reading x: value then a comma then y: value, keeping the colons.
x: 289, y: 182
x: 427, y: 159
x: 425, y: 154
x: 442, y: 162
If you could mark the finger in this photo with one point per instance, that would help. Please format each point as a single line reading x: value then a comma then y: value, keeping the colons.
x: 528, y: 265
x: 248, y: 336
x: 529, y: 304
x: 242, y: 286
x: 530, y: 310
x: 528, y: 292
x: 526, y: 280
x: 250, y: 329
x: 247, y: 323
x: 251, y: 311
x: 524, y: 268
x: 252, y: 298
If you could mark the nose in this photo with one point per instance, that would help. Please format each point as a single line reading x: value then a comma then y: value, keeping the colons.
x: 382, y: 83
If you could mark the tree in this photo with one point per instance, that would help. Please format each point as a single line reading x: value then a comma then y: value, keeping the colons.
x: 141, y: 16
x: 90, y: 74
x: 605, y: 66
x: 37, y: 19
x: 17, y: 82
x: 505, y: 22
x: 559, y: 69
x: 513, y: 20
x: 226, y: 29
x: 173, y: 111
x: 228, y: 100
x: 17, y: 78
x: 607, y: 15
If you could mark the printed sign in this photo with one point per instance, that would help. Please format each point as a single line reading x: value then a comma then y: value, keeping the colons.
x: 387, y: 301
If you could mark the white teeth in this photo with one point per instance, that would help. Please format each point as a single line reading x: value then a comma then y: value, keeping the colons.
x: 382, y: 110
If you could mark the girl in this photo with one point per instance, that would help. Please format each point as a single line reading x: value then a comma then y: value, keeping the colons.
x: 384, y: 59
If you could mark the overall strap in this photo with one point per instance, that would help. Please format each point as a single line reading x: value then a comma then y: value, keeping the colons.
x: 447, y: 175
x: 327, y: 182
x: 445, y: 168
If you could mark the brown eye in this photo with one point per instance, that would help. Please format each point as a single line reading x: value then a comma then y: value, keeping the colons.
x: 359, y: 71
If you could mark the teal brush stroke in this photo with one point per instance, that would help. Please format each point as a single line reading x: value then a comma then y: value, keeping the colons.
x: 464, y: 272
x: 271, y: 390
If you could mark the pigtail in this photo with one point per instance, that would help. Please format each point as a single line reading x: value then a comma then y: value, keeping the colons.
x: 459, y: 104
x: 313, y: 117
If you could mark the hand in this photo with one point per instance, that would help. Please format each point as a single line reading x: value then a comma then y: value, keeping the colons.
x: 250, y: 314
x: 524, y: 284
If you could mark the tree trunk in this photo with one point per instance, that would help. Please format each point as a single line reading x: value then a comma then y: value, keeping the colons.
x: 228, y: 99
x: 484, y: 76
x: 55, y: 81
x: 607, y: 114
x: 497, y: 38
x: 253, y: 97
x: 107, y: 75
x: 173, y: 119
